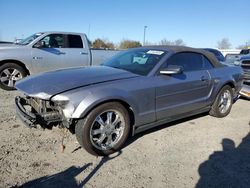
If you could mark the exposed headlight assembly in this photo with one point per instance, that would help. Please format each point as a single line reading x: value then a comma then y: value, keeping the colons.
x: 60, y: 99
x: 64, y: 103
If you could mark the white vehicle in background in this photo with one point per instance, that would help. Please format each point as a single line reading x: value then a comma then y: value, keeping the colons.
x: 231, y: 55
x: 46, y: 51
x: 226, y: 52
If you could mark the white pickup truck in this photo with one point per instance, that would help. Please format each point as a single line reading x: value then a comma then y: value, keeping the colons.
x: 46, y: 51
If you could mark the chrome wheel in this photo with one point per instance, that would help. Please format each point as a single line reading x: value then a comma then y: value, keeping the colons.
x: 104, y: 130
x: 9, y: 76
x: 107, y: 129
x: 225, y: 101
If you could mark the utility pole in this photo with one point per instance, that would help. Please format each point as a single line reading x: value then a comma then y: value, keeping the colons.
x: 144, y: 35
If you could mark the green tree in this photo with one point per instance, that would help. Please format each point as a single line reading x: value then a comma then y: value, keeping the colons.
x: 98, y: 43
x: 102, y: 44
x: 125, y: 44
x: 110, y: 45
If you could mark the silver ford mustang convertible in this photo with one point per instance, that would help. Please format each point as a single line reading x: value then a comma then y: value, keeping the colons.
x: 136, y: 90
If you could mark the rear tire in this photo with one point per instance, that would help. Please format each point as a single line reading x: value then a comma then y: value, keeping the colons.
x: 223, y: 103
x: 9, y: 74
x: 104, y: 130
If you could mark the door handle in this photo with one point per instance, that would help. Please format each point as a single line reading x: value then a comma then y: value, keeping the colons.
x: 83, y: 53
x: 203, y: 78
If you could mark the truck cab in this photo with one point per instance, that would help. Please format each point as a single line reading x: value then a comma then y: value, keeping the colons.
x: 56, y: 50
x: 46, y: 51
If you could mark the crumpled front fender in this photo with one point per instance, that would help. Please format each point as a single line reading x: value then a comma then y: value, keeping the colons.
x: 104, y: 95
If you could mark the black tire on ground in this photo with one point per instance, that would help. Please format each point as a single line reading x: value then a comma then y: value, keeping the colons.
x: 83, y: 128
x: 215, y: 110
x: 10, y: 66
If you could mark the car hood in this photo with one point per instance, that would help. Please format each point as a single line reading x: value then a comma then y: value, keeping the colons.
x: 46, y: 85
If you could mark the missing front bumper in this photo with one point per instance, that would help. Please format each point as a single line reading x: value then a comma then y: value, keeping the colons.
x: 28, y: 118
x: 31, y: 117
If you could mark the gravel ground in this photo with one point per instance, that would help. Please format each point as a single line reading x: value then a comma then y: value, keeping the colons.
x: 197, y: 152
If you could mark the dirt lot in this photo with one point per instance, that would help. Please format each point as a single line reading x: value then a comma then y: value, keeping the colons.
x: 202, y: 151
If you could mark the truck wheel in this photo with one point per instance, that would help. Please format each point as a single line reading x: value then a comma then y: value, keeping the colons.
x: 104, y: 130
x: 9, y: 74
x: 223, y: 102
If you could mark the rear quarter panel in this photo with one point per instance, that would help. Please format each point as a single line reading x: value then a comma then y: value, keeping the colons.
x: 227, y: 75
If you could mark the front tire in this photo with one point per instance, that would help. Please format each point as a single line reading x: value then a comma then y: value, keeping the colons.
x: 104, y: 130
x: 9, y: 74
x: 223, y: 103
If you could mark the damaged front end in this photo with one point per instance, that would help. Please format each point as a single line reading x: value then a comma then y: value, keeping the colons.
x: 245, y: 91
x: 46, y: 113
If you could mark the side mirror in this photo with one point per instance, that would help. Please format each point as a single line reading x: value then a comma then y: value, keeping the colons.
x: 39, y: 44
x: 172, y: 69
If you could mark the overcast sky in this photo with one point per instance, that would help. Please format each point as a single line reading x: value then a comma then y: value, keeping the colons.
x: 200, y: 23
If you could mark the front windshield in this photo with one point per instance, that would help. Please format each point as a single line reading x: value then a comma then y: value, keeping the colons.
x: 30, y: 39
x: 138, y: 61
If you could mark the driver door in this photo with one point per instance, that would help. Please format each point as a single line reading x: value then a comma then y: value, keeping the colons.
x: 185, y: 92
x: 48, y: 54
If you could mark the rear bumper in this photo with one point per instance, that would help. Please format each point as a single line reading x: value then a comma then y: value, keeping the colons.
x: 28, y: 118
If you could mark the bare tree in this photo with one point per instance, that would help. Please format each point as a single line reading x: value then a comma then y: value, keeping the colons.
x: 242, y: 46
x: 147, y: 43
x: 224, y: 44
x: 165, y: 42
x: 178, y: 42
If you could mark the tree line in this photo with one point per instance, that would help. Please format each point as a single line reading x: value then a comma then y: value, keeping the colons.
x: 224, y: 43
x: 99, y: 43
x: 127, y: 43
